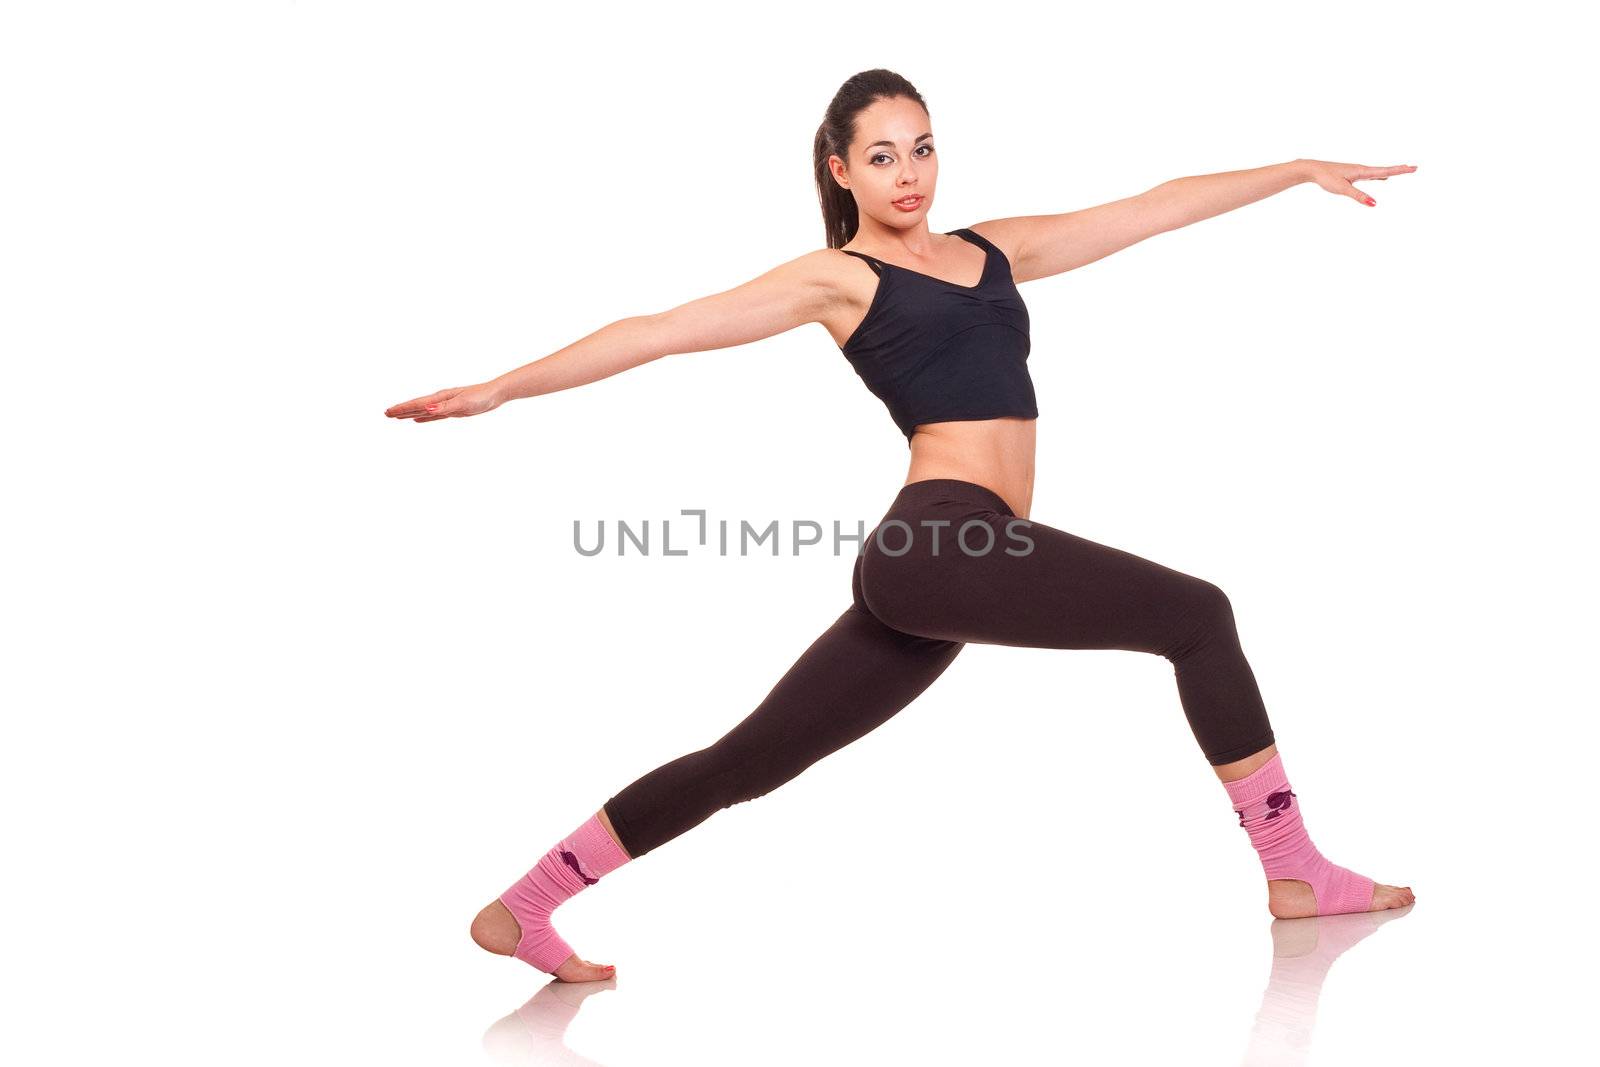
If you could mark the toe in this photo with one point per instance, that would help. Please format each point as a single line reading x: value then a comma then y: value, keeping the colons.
x: 1385, y: 897
x: 580, y: 970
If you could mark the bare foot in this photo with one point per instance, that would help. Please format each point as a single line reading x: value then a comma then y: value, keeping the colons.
x: 1291, y: 898
x: 496, y: 929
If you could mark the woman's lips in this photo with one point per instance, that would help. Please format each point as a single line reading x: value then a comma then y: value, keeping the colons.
x: 909, y: 205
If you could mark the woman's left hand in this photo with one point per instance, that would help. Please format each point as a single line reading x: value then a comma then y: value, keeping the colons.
x: 1337, y: 177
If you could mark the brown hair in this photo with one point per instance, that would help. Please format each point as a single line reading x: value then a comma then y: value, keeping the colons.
x: 840, y: 220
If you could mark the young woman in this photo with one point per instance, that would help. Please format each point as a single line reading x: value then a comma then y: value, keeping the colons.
x: 935, y: 327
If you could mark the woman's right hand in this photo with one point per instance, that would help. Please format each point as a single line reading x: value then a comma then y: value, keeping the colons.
x: 449, y: 403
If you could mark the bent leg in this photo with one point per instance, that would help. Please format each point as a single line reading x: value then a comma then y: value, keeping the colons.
x: 852, y: 679
x: 1041, y: 587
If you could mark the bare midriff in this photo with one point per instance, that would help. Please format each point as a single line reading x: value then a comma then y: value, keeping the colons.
x: 994, y: 453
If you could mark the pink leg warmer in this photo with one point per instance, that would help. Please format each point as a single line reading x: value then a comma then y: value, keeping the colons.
x: 577, y: 861
x: 1269, y: 810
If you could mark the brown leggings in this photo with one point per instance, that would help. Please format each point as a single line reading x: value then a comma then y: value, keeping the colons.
x: 949, y: 564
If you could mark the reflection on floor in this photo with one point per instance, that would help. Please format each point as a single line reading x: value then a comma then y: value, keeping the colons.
x: 536, y: 1032
x: 1303, y: 951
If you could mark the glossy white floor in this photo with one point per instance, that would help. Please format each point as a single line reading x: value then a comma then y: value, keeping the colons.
x: 310, y: 901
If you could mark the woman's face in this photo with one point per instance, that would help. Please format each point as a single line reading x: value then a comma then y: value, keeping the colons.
x: 891, y: 158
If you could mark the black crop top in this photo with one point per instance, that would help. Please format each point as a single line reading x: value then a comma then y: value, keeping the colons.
x: 935, y: 351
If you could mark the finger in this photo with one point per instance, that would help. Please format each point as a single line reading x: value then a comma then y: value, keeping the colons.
x: 414, y: 404
x: 1379, y: 174
x: 1360, y: 197
x: 410, y: 407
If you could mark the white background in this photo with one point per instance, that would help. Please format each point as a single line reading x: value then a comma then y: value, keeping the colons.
x: 295, y: 689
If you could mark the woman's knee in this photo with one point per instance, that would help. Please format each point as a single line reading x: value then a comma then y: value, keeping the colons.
x: 1205, y: 614
x: 1214, y: 603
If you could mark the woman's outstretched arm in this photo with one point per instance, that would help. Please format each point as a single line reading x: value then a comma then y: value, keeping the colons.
x: 787, y: 296
x: 1042, y: 245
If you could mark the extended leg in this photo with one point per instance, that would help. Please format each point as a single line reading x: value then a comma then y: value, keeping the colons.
x: 852, y: 679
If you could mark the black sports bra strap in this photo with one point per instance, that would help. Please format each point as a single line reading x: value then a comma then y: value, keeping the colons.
x: 876, y: 265
x: 976, y: 238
